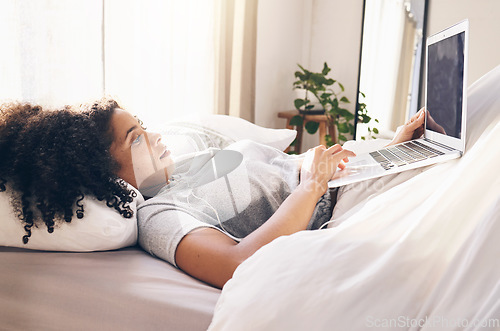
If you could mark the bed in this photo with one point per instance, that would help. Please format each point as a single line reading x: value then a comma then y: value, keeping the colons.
x: 413, y: 251
x: 125, y: 289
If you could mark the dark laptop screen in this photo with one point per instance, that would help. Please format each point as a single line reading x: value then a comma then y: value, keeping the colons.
x: 445, y: 76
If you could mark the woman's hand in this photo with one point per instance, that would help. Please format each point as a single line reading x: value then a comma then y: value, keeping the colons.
x: 412, y: 129
x: 319, y: 166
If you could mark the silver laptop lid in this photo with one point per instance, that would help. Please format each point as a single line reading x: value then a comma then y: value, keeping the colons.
x: 446, y: 86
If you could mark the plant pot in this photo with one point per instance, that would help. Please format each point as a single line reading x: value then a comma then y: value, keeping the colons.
x: 317, y: 109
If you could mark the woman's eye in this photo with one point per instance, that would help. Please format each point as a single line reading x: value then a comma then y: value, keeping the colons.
x: 137, y: 140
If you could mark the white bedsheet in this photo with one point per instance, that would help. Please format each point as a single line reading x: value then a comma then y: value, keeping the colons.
x: 417, y: 250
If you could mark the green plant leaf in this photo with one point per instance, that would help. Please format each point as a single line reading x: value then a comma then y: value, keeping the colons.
x: 343, y: 127
x: 342, y: 138
x: 326, y: 69
x: 297, y: 120
x: 312, y: 127
x: 351, y: 129
x: 344, y: 99
x: 345, y: 113
x: 376, y: 120
x: 341, y: 87
x: 318, y: 79
x: 335, y: 103
x: 328, y: 140
x: 364, y: 96
x: 375, y: 130
x: 309, y: 107
x: 299, y: 103
x: 363, y: 138
x: 365, y: 118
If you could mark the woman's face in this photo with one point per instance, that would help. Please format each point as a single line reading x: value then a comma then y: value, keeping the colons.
x: 144, y: 160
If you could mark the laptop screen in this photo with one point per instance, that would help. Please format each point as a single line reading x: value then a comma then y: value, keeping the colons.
x: 445, y: 78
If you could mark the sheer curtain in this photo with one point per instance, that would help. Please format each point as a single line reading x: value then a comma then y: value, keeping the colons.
x: 235, y: 50
x: 159, y: 57
x: 51, y: 51
x: 405, y: 73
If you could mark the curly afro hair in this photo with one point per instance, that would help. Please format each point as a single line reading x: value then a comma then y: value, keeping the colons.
x: 53, y: 158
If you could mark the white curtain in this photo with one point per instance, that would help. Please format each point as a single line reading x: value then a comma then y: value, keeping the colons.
x: 406, y: 70
x: 382, y: 41
x: 50, y: 51
x: 155, y: 57
x: 235, y: 49
x: 159, y: 57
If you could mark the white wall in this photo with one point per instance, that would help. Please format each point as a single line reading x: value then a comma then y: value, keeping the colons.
x: 336, y: 38
x: 281, y: 36
x: 484, y: 46
x: 308, y: 32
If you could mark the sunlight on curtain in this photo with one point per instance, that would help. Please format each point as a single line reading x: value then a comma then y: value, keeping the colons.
x: 382, y: 41
x: 159, y: 57
x: 51, y: 51
x: 402, y: 97
x: 235, y: 57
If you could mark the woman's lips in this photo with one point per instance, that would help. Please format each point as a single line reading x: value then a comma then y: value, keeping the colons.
x: 165, y: 154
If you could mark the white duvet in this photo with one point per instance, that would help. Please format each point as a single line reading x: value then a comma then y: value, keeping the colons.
x: 418, y: 250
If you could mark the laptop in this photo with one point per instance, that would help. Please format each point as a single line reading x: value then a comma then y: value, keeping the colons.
x: 445, y: 121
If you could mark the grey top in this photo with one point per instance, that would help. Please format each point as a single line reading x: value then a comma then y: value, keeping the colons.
x: 234, y: 190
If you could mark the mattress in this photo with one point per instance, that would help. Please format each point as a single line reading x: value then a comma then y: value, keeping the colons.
x: 125, y: 289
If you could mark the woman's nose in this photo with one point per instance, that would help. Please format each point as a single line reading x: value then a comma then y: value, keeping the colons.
x: 154, y: 138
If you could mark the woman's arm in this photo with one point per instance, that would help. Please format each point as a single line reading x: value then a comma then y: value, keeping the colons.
x: 211, y: 256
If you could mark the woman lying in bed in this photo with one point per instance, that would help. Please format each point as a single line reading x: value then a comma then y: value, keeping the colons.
x: 210, y: 211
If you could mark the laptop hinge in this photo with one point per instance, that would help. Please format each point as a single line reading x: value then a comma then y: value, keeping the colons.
x: 440, y: 145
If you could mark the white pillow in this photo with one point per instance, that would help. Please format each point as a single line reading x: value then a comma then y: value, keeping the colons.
x: 187, y: 136
x: 102, y: 228
x: 238, y: 129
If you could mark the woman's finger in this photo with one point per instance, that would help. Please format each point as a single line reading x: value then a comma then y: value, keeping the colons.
x: 416, y: 121
x: 334, y: 149
x: 343, y: 154
x: 420, y: 119
x: 417, y: 115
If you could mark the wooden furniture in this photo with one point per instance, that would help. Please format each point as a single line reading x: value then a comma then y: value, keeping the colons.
x: 323, y: 129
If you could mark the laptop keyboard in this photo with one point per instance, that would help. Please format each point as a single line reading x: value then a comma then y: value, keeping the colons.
x: 409, y: 152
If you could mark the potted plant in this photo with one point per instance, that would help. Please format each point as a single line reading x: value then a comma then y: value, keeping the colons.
x: 329, y: 93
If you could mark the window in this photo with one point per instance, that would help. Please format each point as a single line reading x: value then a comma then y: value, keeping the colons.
x: 156, y: 57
